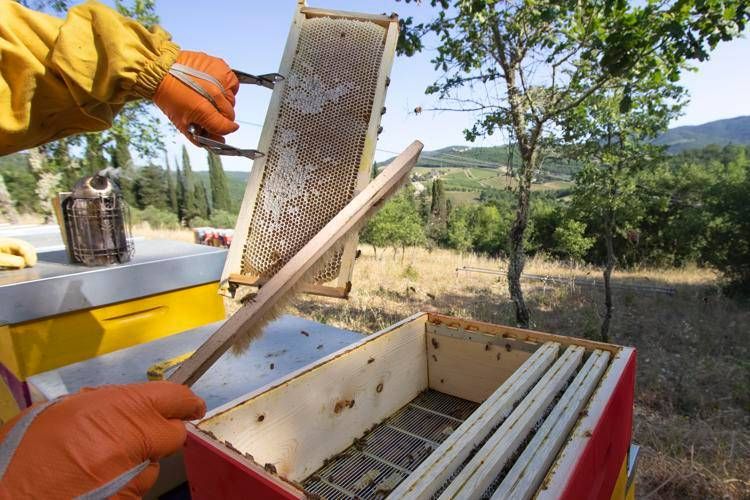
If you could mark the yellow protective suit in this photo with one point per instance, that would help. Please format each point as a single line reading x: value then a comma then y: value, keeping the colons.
x: 65, y: 76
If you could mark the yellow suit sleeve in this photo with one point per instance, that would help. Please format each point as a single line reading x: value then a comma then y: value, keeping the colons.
x: 65, y: 76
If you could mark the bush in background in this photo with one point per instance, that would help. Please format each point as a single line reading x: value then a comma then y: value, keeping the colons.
x: 154, y: 217
x: 219, y: 219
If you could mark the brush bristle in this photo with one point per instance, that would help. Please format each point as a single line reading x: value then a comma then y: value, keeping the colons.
x: 243, y: 339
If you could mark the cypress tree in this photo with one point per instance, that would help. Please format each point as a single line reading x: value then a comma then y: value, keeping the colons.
x: 438, y: 206
x: 219, y: 185
x: 180, y: 191
x: 201, y: 200
x: 171, y: 189
x: 190, y: 207
x: 150, y: 188
x: 126, y: 174
x: 93, y: 157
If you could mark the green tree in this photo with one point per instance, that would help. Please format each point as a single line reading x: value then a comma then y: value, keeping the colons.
x: 524, y: 66
x: 219, y: 187
x: 94, y: 160
x: 202, y: 206
x: 171, y: 188
x: 69, y: 167
x: 613, y: 137
x: 397, y: 224
x: 438, y: 219
x: 151, y: 187
x: 571, y: 240
x: 47, y: 181
x: 188, y: 203
x: 459, y: 234
x: 21, y: 186
x: 729, y: 244
x: 124, y: 166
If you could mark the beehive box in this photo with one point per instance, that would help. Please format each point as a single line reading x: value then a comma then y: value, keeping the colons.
x: 432, y: 407
x: 319, y: 141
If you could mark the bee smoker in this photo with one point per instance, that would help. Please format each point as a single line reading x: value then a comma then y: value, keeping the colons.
x: 96, y: 223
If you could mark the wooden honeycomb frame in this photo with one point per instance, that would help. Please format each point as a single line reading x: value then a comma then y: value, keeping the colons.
x: 319, y: 137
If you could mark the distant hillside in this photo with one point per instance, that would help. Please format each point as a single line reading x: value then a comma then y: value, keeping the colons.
x: 495, y: 157
x: 720, y: 132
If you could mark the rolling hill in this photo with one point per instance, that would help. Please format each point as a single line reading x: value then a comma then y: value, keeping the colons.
x: 720, y: 132
x: 468, y: 170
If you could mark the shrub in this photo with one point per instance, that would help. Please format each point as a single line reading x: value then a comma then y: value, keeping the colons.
x: 157, y: 219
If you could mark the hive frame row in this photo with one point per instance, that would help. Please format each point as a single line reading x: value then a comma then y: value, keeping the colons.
x: 409, y: 344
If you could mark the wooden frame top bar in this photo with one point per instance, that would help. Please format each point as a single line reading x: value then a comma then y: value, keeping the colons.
x: 382, y: 20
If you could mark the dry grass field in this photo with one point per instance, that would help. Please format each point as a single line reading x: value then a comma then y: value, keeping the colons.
x: 692, y: 415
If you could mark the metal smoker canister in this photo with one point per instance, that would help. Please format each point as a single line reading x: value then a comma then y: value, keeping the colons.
x: 98, y: 223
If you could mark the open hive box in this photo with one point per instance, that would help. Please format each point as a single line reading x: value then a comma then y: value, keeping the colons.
x: 432, y: 407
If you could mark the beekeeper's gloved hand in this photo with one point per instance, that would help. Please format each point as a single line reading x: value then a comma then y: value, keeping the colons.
x: 199, y: 90
x: 16, y: 254
x: 104, y: 441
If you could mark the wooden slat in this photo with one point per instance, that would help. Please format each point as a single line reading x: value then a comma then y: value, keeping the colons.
x: 441, y: 464
x: 470, y: 367
x: 524, y: 478
x: 309, y: 288
x: 580, y: 437
x: 245, y: 216
x: 384, y: 21
x: 371, y: 138
x: 255, y: 313
x: 490, y: 460
x: 438, y: 322
x: 303, y: 420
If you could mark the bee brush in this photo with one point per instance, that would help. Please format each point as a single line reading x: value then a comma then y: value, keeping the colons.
x: 249, y: 320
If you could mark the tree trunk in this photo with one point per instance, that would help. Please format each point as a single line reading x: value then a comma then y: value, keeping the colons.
x: 608, y: 268
x: 517, y: 254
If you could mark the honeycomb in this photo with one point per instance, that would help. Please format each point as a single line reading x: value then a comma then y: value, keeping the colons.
x: 312, y: 163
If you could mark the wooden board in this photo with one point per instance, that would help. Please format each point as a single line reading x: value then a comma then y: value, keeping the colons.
x: 360, y: 135
x: 447, y: 324
x: 477, y: 476
x: 303, y: 420
x: 473, y: 366
x: 582, y: 434
x: 425, y: 481
x: 257, y: 311
x: 527, y: 473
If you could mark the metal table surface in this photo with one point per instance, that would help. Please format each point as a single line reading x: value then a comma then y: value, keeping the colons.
x: 280, y: 349
x: 55, y: 286
x: 44, y: 237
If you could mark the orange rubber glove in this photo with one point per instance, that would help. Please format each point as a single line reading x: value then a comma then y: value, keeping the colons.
x: 184, y: 106
x: 88, y: 439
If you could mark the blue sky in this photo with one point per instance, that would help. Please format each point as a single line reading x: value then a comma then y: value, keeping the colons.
x: 250, y: 35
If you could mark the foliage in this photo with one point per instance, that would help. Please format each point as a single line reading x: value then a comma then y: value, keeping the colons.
x: 155, y: 217
x: 528, y: 67
x: 151, y: 187
x: 459, y: 233
x: 570, y: 239
x: 219, y: 189
x: 397, y: 224
x: 202, y: 205
x: 21, y: 185
x: 188, y: 205
x: 219, y: 219
x: 171, y: 187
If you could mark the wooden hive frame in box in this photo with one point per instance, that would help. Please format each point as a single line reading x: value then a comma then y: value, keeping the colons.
x: 319, y: 138
x: 431, y: 407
